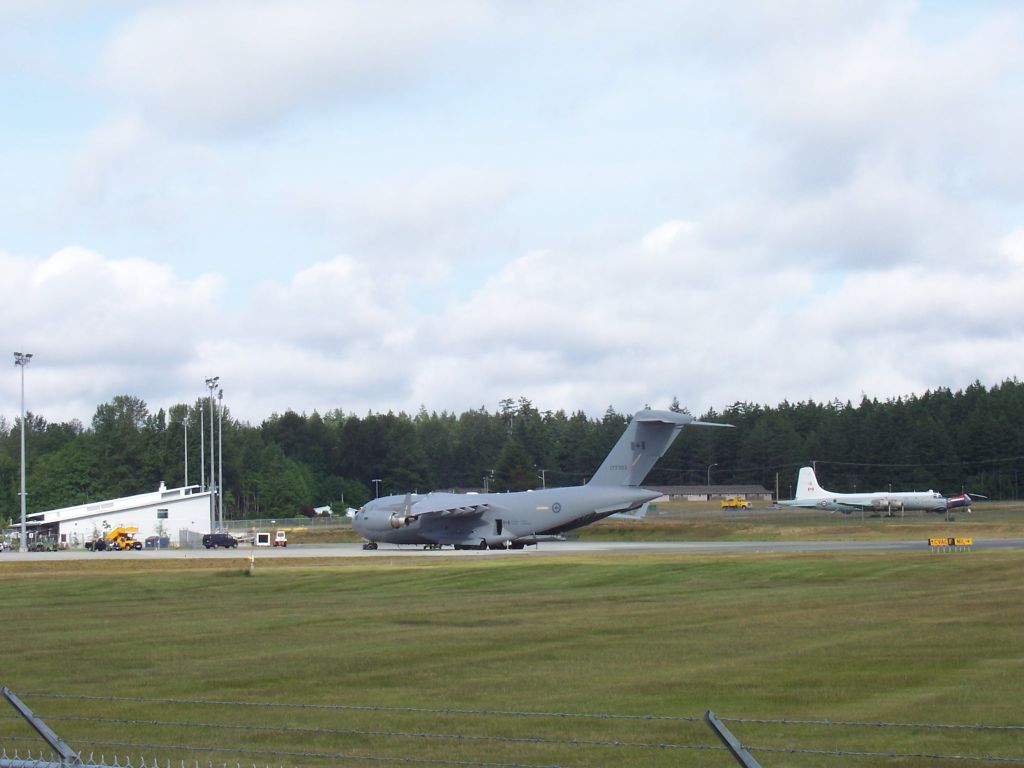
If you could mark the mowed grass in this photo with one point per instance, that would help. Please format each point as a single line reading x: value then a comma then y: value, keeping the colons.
x: 703, y: 521
x: 896, y: 637
x: 707, y: 521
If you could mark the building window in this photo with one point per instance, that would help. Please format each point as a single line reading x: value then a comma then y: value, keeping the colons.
x: 161, y: 514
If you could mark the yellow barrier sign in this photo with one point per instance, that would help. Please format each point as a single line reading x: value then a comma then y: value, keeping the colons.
x: 951, y: 541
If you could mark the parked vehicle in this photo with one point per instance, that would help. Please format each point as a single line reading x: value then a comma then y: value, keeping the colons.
x: 735, y: 503
x: 281, y: 539
x: 120, y: 538
x: 226, y: 540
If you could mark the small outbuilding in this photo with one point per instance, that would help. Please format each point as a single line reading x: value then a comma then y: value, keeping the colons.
x: 167, y: 513
x: 711, y: 492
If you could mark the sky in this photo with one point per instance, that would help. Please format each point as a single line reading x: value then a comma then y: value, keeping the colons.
x: 383, y: 206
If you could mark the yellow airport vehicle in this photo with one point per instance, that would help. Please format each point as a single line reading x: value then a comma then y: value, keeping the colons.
x: 120, y: 538
x: 735, y: 503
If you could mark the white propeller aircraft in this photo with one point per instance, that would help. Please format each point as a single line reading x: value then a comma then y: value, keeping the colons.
x: 811, y: 495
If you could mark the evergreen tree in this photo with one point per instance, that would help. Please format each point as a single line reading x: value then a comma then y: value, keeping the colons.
x: 515, y: 470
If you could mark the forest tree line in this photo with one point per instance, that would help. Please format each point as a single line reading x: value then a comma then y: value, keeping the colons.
x: 971, y: 439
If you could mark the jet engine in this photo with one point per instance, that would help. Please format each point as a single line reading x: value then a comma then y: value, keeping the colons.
x: 397, y: 520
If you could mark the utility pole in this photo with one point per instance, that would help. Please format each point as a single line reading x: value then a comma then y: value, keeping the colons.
x: 21, y: 359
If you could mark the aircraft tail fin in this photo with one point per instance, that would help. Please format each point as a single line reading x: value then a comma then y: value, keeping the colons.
x: 807, y: 485
x: 647, y: 437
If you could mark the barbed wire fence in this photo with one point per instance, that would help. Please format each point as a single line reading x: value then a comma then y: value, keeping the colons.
x: 163, y: 732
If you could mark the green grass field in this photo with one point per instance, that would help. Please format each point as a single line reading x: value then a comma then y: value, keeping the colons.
x: 907, y: 637
x: 704, y: 521
x: 697, y: 521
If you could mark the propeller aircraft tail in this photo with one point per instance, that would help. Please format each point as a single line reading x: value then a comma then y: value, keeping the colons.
x: 807, y: 485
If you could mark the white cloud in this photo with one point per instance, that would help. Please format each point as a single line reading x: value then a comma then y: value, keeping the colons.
x: 823, y: 198
x: 230, y: 65
x: 125, y: 174
x: 333, y: 304
x: 103, y: 327
x: 886, y: 92
x: 878, y: 217
x: 420, y: 223
x: 630, y: 324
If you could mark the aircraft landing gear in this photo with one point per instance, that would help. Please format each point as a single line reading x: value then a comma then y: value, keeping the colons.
x: 370, y: 545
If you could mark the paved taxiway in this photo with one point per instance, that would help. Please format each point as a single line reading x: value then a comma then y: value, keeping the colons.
x: 547, y: 548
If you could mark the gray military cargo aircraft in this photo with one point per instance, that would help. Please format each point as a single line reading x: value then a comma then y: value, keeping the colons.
x: 498, y: 520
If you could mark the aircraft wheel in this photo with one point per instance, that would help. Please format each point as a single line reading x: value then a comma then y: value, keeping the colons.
x: 483, y: 544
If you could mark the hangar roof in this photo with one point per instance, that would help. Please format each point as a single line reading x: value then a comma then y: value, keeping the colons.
x: 162, y: 496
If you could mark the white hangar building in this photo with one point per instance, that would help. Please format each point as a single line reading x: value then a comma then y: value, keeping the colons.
x: 165, y: 512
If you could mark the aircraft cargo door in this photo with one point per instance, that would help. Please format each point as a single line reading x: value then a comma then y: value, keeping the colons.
x: 498, y: 524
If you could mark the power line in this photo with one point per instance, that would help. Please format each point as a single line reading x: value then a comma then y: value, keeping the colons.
x: 306, y: 732
x: 876, y: 724
x: 309, y: 731
x: 367, y: 707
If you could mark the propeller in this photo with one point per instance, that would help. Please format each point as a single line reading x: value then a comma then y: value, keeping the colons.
x: 963, y: 500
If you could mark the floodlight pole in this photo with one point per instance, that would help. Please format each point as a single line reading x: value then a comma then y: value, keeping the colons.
x: 212, y: 384
x: 21, y: 359
x: 184, y: 423
x: 202, y: 450
x: 220, y: 456
x: 376, y: 487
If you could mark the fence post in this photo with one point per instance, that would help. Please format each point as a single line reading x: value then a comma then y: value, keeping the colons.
x: 68, y: 756
x: 731, y: 743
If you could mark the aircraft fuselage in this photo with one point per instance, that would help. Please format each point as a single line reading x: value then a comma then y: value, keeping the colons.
x: 811, y: 495
x: 492, y: 519
x: 907, y: 500
x: 519, y: 518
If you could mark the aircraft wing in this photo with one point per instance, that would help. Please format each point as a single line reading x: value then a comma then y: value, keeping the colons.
x: 833, y: 505
x: 467, y: 511
x: 846, y: 506
x: 446, y: 505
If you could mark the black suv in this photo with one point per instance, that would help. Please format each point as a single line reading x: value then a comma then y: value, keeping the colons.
x: 211, y: 540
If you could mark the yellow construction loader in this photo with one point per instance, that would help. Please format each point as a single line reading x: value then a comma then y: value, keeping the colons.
x: 122, y: 538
